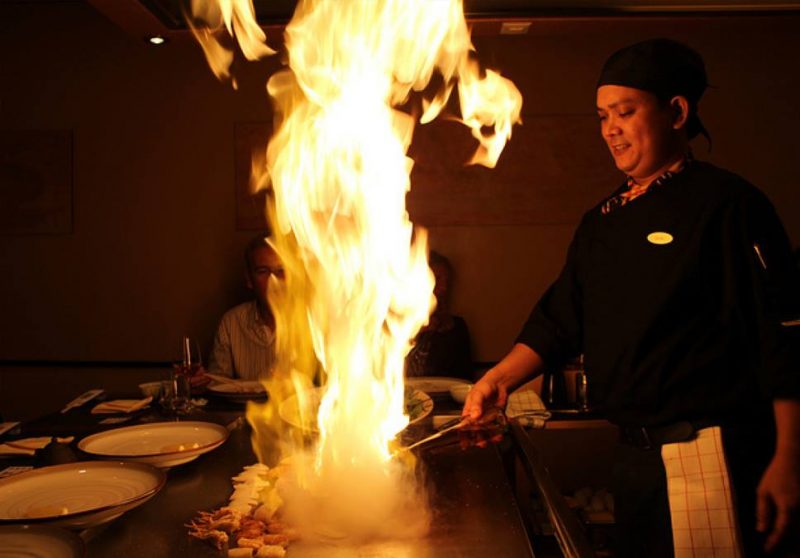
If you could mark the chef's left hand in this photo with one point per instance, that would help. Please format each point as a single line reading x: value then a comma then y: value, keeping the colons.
x: 778, y: 503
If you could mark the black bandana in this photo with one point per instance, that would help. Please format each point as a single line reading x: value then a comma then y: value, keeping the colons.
x: 663, y: 67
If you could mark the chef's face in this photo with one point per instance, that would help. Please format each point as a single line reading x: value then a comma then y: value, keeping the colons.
x: 638, y: 129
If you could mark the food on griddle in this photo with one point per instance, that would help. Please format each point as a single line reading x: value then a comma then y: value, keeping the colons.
x: 251, y: 520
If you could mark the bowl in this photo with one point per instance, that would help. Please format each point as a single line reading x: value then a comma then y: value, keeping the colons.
x: 459, y: 392
x: 152, y: 389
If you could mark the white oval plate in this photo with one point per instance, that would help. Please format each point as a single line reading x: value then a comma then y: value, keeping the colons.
x: 163, y: 444
x: 39, y: 541
x: 77, y: 495
x: 288, y: 409
x: 240, y: 390
x: 434, y: 384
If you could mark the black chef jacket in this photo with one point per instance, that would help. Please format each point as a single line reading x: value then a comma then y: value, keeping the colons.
x: 694, y: 322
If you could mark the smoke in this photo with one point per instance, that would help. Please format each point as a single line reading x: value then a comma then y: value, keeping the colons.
x: 355, y: 503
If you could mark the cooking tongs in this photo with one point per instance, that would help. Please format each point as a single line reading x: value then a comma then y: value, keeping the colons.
x: 454, y: 424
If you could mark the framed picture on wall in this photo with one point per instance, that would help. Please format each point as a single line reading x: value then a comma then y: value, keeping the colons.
x: 35, y: 182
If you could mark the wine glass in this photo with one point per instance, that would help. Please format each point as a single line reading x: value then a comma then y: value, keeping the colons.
x: 190, y: 363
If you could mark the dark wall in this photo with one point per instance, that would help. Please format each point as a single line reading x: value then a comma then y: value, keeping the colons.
x: 154, y: 252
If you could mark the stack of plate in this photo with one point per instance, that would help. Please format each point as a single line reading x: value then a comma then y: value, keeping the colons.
x: 37, y: 541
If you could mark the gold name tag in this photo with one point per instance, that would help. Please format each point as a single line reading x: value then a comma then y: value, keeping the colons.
x: 659, y: 238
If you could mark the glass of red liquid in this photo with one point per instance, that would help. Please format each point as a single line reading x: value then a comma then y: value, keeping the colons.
x: 179, y: 399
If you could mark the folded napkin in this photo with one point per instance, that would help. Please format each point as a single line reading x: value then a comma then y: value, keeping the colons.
x: 121, y: 406
x: 25, y: 446
x: 6, y: 426
x: 220, y: 378
x: 527, y: 407
x: 524, y: 402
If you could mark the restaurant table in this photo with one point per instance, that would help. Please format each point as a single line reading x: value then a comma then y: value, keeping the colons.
x: 475, y: 509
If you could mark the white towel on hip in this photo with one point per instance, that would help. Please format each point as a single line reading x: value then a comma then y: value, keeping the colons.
x: 700, y: 500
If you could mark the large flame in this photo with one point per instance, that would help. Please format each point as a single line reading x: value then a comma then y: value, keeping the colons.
x: 357, y: 286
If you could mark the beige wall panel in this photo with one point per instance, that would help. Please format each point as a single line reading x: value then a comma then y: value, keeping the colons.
x: 154, y: 250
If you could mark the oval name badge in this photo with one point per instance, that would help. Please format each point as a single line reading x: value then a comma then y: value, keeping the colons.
x: 659, y: 237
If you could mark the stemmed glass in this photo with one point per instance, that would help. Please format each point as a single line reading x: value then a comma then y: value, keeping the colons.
x: 180, y: 386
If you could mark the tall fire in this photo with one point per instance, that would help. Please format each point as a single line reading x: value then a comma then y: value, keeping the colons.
x: 357, y: 286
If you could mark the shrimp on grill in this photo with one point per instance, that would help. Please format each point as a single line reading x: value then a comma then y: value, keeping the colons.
x: 250, y: 528
x: 215, y: 526
x: 241, y: 526
x: 218, y: 538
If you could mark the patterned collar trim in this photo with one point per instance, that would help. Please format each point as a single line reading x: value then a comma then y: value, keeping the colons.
x: 634, y: 189
x: 254, y: 316
x: 258, y: 326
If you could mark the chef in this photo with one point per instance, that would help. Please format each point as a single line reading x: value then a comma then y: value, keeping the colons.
x: 680, y: 290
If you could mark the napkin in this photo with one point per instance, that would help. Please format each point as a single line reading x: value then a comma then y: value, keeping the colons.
x: 121, y: 406
x: 700, y: 498
x: 524, y: 402
x: 6, y: 426
x: 527, y: 407
x: 25, y: 446
x: 220, y: 378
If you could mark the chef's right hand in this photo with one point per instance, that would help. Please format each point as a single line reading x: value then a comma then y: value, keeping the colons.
x: 484, y: 409
x: 484, y: 400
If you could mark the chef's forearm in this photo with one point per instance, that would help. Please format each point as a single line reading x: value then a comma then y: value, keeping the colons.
x: 787, y: 421
x: 519, y: 365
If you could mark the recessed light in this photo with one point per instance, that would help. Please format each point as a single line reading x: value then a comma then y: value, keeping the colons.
x: 515, y: 27
x: 156, y: 40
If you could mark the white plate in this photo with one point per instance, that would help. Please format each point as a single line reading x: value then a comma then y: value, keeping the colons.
x: 434, y: 384
x: 288, y: 409
x: 77, y: 495
x: 39, y: 541
x: 241, y: 390
x: 163, y: 444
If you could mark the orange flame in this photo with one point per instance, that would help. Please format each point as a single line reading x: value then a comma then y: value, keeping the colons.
x: 357, y: 287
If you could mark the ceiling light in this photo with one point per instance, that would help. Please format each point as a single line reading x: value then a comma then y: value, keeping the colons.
x: 515, y: 27
x: 156, y: 40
